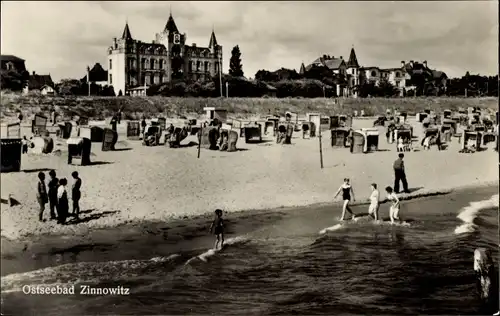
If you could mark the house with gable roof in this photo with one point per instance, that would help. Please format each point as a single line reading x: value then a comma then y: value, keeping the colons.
x: 40, y: 83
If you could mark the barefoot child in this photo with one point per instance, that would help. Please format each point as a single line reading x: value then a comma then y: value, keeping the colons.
x: 217, y: 228
x: 394, y: 208
x: 374, y: 202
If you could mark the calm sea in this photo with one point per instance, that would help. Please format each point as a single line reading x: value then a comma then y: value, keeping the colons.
x: 424, y: 266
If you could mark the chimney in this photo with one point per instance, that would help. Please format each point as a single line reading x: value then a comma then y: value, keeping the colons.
x: 33, y: 73
x: 324, y: 56
x: 194, y: 44
x: 114, y: 43
x: 341, y: 57
x: 425, y: 63
x: 411, y: 63
x: 402, y: 64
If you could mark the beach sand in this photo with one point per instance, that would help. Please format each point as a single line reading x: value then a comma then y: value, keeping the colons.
x: 138, y: 183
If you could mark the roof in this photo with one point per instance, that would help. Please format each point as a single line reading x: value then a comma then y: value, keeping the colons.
x: 213, y: 40
x: 10, y: 58
x: 37, y: 82
x: 195, y: 49
x: 96, y: 74
x: 126, y: 33
x: 170, y: 26
x: 437, y: 74
x: 302, y: 69
x: 327, y: 61
x: 353, y: 61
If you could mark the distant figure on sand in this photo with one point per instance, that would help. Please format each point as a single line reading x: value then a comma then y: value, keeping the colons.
x: 41, y: 195
x: 217, y: 228
x: 114, y: 120
x: 20, y: 117
x: 76, y: 194
x: 119, y: 116
x: 346, y: 190
x: 374, y: 202
x: 24, y: 143
x: 143, y: 126
x: 53, y: 184
x: 399, y: 174
x: 62, y: 201
x: 394, y: 208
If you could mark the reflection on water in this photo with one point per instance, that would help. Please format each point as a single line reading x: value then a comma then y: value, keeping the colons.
x: 364, y: 268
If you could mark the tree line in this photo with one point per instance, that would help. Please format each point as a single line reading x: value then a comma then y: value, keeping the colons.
x: 317, y: 81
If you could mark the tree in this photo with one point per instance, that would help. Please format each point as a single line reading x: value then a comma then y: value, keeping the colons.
x: 70, y: 87
x: 387, y: 89
x: 235, y: 66
x: 13, y: 80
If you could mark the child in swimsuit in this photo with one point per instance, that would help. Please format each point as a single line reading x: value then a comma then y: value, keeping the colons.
x: 374, y: 202
x: 346, y: 190
x: 217, y: 228
x: 394, y: 208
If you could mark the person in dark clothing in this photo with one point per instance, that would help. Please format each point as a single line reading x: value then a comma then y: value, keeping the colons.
x: 53, y: 184
x: 346, y: 190
x: 217, y: 228
x: 119, y: 116
x: 143, y: 126
x: 41, y: 195
x: 399, y: 174
x: 113, y: 122
x: 24, y: 143
x: 62, y: 201
x: 76, y: 194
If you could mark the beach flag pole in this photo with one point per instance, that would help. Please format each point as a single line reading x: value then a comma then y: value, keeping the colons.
x: 320, y: 148
x: 199, y: 139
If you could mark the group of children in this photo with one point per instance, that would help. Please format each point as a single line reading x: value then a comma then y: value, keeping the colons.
x: 347, y: 192
x: 57, y: 196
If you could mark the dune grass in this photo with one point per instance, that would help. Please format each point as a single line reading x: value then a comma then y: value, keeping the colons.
x: 151, y: 106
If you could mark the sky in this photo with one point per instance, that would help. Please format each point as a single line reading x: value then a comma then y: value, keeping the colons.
x: 63, y: 38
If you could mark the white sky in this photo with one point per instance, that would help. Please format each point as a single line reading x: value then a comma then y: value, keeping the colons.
x: 62, y: 38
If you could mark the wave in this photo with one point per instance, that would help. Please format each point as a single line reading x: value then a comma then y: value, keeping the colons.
x: 469, y: 213
x: 209, y: 253
x: 73, y: 273
x: 362, y: 220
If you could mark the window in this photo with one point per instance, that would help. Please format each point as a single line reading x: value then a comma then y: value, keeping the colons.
x: 147, y: 79
x: 374, y: 73
x: 143, y: 79
x: 110, y: 64
x: 161, y: 63
x: 161, y: 78
x: 143, y: 63
x: 152, y: 63
x: 198, y: 65
x: 397, y: 73
x: 397, y: 83
x: 156, y: 79
x: 190, y: 66
x: 205, y: 66
x: 110, y: 79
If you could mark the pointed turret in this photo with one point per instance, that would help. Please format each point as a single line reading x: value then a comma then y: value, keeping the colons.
x: 213, y: 40
x: 302, y: 69
x: 353, y: 61
x: 170, y: 27
x: 126, y: 33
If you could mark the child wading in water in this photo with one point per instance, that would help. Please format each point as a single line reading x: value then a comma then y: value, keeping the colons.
x: 217, y: 228
x: 346, y: 190
x: 394, y: 209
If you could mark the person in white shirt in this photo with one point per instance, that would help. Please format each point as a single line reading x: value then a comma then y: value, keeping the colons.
x: 374, y: 202
x: 394, y: 208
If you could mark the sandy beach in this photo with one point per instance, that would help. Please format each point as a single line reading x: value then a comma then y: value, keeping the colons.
x: 138, y: 183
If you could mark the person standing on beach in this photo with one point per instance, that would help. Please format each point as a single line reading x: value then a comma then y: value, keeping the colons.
x: 41, y: 195
x: 24, y: 143
x: 399, y: 174
x: 119, y: 116
x: 374, y: 202
x: 76, y: 194
x: 62, y: 201
x: 217, y: 228
x: 394, y: 208
x: 346, y: 190
x: 114, y: 120
x: 53, y: 183
x: 143, y: 126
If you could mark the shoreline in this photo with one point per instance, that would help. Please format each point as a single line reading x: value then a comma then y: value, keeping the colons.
x: 144, y: 240
x: 250, y: 212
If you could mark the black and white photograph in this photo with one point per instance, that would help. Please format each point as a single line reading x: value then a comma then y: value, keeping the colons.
x: 249, y: 158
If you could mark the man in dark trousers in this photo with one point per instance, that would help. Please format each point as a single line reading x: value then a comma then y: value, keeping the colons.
x: 399, y: 174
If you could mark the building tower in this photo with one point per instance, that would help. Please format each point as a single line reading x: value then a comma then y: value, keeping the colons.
x: 353, y: 72
x: 117, y: 56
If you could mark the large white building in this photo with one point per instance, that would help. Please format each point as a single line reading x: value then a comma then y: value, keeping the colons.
x: 133, y: 64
